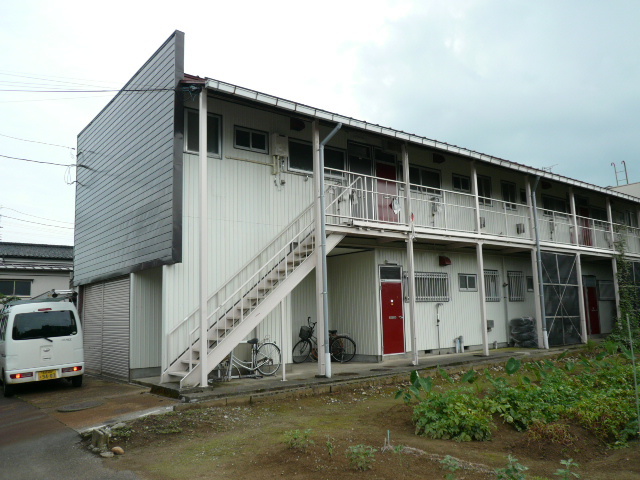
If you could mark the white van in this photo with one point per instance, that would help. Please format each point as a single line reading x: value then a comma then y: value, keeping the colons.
x: 40, y: 339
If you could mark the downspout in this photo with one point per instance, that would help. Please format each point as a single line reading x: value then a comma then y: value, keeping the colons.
x: 545, y: 337
x: 204, y: 239
x: 323, y: 247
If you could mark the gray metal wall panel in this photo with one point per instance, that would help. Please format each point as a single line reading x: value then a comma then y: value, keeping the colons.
x: 127, y: 198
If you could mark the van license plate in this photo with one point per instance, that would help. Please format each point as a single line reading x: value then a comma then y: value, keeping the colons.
x: 47, y: 374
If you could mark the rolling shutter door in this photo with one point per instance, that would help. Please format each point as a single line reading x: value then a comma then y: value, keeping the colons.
x: 115, y: 329
x: 106, y: 328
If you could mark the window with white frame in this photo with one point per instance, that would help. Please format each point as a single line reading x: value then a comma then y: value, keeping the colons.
x: 432, y: 287
x: 509, y: 195
x: 17, y: 288
x: 516, y: 286
x: 301, y: 157
x: 424, y: 179
x: 192, y: 132
x: 468, y: 282
x: 491, y: 286
x: 484, y: 190
x: 461, y: 183
x: 250, y: 139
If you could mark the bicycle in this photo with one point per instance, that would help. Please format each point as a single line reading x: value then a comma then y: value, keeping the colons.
x: 342, y: 347
x: 265, y: 359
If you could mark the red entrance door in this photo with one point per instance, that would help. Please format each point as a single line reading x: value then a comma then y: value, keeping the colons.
x: 392, y: 318
x: 387, y: 192
x: 593, y: 312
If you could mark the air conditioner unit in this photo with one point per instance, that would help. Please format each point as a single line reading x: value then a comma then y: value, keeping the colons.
x: 279, y: 145
x: 520, y: 228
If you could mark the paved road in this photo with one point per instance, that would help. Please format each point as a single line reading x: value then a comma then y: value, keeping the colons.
x: 36, y: 446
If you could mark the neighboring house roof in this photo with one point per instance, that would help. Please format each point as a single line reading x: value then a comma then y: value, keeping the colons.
x: 36, y: 251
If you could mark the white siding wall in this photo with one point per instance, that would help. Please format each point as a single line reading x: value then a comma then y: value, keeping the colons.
x: 353, y: 300
x: 146, y: 318
x: 460, y: 315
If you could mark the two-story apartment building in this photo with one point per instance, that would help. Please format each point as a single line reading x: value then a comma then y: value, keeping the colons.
x: 203, y: 210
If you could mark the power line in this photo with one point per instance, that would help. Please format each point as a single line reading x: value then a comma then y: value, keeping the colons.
x: 138, y: 90
x: 36, y: 223
x: 35, y: 141
x: 34, y: 216
x: 39, y: 161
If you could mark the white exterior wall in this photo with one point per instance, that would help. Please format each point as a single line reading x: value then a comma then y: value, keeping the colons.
x: 461, y: 314
x: 353, y: 301
x: 146, y: 320
x: 41, y: 282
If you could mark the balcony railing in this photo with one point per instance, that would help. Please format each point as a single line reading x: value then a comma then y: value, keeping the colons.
x: 356, y: 197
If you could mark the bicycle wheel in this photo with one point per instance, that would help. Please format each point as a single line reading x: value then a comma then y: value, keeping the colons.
x: 343, y: 349
x: 268, y: 359
x: 301, y: 351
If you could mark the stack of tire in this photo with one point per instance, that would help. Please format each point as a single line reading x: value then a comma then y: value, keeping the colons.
x: 523, y: 332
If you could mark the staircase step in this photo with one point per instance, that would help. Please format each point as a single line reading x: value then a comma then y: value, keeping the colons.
x: 178, y: 374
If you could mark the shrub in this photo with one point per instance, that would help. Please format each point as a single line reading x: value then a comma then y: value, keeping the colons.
x: 457, y: 414
x: 361, y: 456
x: 298, y: 439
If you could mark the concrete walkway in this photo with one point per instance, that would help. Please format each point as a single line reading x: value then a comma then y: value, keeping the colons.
x: 303, y: 379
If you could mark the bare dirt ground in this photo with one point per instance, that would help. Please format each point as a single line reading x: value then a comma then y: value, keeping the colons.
x: 248, y: 442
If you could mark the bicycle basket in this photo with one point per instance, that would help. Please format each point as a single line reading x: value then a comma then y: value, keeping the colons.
x: 305, y: 332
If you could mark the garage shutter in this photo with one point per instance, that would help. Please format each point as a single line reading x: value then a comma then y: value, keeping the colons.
x: 106, y: 328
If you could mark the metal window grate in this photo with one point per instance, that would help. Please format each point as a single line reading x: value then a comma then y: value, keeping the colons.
x: 432, y: 287
x: 492, y: 286
x: 516, y: 286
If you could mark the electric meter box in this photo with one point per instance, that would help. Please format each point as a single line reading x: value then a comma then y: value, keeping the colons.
x: 279, y: 145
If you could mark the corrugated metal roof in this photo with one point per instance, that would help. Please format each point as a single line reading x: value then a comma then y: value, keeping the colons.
x: 34, y: 250
x: 320, y: 114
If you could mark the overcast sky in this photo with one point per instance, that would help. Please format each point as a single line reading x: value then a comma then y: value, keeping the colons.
x: 551, y: 84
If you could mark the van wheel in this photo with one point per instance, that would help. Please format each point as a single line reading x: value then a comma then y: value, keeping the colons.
x: 76, y: 381
x: 6, y: 388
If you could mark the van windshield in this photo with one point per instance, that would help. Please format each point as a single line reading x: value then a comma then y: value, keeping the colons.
x: 32, y: 325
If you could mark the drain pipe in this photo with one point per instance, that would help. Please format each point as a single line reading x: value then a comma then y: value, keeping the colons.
x: 323, y: 247
x: 545, y: 337
x: 438, y: 305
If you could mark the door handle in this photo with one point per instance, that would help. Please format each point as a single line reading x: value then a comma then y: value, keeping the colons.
x: 401, y: 317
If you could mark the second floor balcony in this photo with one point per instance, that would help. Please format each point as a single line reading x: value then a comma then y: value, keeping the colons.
x: 373, y: 202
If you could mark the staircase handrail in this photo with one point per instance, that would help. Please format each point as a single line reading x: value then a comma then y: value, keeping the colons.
x: 246, y: 265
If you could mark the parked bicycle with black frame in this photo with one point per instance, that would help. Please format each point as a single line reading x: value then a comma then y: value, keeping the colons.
x: 342, y: 347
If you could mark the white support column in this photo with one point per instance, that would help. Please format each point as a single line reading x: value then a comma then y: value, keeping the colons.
x: 204, y: 238
x: 320, y: 328
x: 483, y: 303
x: 610, y: 221
x: 536, y: 294
x: 616, y: 287
x: 574, y: 218
x: 583, y: 310
x: 614, y: 261
x: 476, y: 200
x: 532, y: 224
x: 411, y: 273
x: 284, y: 343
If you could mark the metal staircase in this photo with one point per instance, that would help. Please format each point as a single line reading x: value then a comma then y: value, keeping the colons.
x: 245, y: 300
